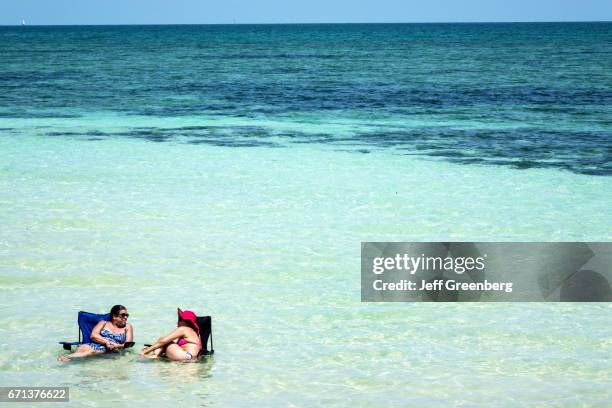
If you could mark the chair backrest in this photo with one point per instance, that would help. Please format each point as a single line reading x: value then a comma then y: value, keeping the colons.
x: 205, y: 325
x: 87, y: 322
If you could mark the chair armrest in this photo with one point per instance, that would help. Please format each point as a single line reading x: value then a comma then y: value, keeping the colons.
x: 67, y: 345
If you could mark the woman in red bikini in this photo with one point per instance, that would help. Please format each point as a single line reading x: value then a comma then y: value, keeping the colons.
x: 187, y: 336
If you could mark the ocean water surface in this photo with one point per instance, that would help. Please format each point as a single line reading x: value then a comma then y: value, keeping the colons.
x: 235, y: 170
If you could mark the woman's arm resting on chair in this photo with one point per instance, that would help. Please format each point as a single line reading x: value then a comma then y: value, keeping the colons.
x: 129, y: 333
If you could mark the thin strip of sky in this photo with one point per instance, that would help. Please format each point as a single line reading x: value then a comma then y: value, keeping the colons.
x: 60, y: 12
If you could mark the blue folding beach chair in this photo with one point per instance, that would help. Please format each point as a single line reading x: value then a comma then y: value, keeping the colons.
x: 87, y: 321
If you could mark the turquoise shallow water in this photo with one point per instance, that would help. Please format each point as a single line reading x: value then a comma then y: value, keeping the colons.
x: 259, y: 222
x: 267, y: 241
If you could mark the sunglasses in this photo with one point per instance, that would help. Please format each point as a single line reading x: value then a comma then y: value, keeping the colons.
x: 123, y: 315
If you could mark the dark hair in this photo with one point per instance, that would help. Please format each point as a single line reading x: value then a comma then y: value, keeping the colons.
x: 116, y: 309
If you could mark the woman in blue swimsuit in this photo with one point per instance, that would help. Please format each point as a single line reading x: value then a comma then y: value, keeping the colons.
x: 106, y: 336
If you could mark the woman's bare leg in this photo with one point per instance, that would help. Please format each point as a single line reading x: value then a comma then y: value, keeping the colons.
x: 83, y: 351
x: 175, y: 353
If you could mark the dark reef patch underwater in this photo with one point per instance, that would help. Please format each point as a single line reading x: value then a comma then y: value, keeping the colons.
x: 520, y: 95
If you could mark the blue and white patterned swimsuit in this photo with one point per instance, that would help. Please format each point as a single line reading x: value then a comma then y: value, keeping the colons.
x: 110, y: 336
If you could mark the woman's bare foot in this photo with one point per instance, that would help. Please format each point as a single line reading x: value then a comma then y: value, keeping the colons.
x: 63, y: 359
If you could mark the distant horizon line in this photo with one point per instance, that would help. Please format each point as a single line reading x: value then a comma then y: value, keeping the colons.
x: 307, y: 23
